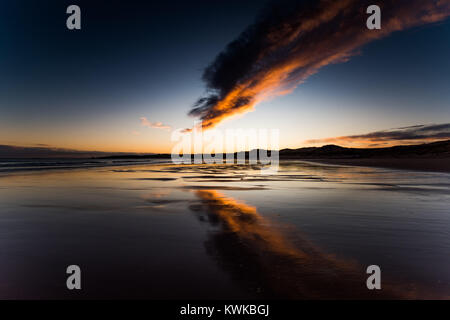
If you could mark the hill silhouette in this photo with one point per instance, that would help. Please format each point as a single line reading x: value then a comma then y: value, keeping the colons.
x: 440, y: 149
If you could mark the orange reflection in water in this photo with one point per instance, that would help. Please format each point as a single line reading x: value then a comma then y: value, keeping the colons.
x: 256, y: 252
x: 245, y: 221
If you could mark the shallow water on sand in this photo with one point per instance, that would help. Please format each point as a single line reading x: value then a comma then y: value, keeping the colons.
x: 225, y: 231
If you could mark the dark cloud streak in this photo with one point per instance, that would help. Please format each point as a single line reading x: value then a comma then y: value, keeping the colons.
x: 290, y: 41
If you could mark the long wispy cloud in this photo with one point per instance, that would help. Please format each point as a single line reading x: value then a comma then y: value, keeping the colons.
x: 404, y: 135
x: 156, y: 125
x: 290, y: 41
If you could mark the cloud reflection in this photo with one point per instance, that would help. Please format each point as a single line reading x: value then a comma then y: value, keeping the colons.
x: 259, y: 256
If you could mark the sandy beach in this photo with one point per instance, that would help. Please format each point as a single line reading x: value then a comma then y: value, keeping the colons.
x: 417, y: 164
x: 167, y: 231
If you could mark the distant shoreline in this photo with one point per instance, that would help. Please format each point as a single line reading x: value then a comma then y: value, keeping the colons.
x: 431, y: 157
x: 411, y: 164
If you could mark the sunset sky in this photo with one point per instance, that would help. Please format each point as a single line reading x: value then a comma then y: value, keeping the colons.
x: 133, y: 73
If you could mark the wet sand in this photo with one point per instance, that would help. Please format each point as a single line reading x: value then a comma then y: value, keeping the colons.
x: 416, y: 164
x: 167, y: 231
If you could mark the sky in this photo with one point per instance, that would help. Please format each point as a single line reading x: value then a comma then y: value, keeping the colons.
x: 138, y: 70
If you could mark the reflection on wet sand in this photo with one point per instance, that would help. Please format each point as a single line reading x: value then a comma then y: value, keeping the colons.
x: 138, y: 221
x: 258, y: 256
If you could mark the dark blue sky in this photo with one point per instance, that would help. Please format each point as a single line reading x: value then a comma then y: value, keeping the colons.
x: 88, y: 89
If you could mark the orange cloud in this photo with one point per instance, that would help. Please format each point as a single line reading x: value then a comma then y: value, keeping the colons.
x: 290, y: 43
x: 156, y: 125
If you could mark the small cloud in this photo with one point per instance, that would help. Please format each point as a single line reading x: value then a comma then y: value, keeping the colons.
x: 156, y: 125
x: 135, y: 133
